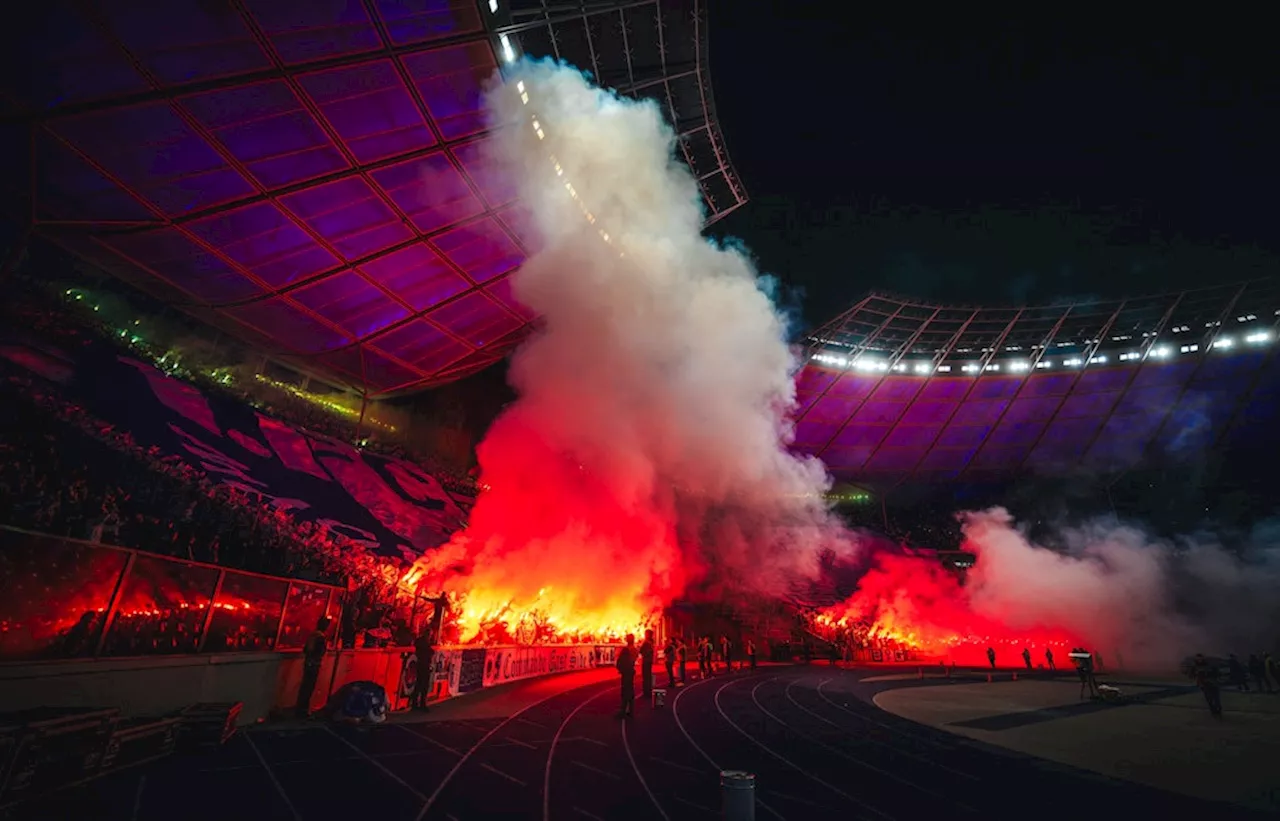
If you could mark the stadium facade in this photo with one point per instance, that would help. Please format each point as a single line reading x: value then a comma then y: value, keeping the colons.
x: 897, y: 392
x: 309, y: 177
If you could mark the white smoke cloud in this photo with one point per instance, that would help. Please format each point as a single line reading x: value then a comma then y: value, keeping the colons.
x: 1154, y: 602
x: 660, y: 367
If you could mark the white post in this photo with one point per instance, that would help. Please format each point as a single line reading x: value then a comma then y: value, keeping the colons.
x: 739, y: 795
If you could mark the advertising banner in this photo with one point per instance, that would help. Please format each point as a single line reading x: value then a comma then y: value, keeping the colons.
x: 503, y: 664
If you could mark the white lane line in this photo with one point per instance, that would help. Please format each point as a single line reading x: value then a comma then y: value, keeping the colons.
x: 585, y: 814
x: 592, y: 740
x: 675, y: 713
x: 520, y: 743
x: 428, y: 739
x: 551, y: 753
x: 137, y: 798
x: 626, y: 745
x: 676, y: 766
x: 878, y: 743
x: 426, y: 806
x: 297, y: 816
x: 707, y: 810
x: 507, y: 776
x: 755, y: 699
x: 772, y: 752
x: 375, y: 762
x: 533, y: 723
x: 597, y: 770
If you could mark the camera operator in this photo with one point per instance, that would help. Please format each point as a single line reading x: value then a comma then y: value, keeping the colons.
x: 1083, y: 660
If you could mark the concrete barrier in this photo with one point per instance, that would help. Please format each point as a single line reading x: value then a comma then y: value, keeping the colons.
x: 267, y: 683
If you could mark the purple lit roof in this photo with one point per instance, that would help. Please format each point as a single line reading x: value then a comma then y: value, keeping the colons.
x: 896, y: 391
x: 306, y: 176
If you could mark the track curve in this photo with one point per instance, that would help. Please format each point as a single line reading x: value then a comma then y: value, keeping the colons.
x: 818, y: 747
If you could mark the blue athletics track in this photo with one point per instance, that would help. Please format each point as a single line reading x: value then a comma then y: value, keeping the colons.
x: 554, y: 748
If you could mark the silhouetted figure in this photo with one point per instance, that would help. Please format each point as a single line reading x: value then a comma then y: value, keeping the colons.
x: 834, y: 654
x: 1084, y: 668
x: 1206, y: 677
x: 626, y: 665
x: 806, y: 652
x: 424, y: 647
x: 669, y: 657
x: 751, y: 653
x: 1236, y: 674
x: 1026, y: 657
x: 647, y: 651
x: 726, y: 653
x: 682, y: 650
x: 704, y: 657
x: 1048, y: 657
x: 312, y: 656
x: 1269, y: 665
x: 1259, y: 672
x: 991, y: 657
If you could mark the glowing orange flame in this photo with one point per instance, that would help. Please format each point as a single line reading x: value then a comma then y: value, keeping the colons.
x: 909, y: 603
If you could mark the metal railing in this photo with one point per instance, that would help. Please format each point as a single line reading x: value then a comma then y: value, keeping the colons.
x: 63, y: 598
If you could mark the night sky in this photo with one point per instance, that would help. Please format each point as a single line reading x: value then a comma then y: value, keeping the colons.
x: 997, y: 165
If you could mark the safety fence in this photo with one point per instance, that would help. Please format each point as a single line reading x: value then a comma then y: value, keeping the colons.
x: 87, y: 624
x: 68, y: 599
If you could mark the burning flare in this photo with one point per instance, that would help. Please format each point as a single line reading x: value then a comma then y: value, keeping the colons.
x: 647, y: 449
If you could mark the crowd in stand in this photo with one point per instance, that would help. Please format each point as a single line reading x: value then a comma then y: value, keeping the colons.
x: 61, y: 324
x: 64, y: 472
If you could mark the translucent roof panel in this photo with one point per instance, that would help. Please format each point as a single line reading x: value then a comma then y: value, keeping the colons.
x: 897, y: 392
x: 310, y: 176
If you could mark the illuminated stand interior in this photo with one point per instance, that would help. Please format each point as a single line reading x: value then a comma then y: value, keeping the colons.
x: 897, y: 392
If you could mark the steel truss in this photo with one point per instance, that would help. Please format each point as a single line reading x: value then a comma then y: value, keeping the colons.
x: 668, y: 65
x: 898, y: 332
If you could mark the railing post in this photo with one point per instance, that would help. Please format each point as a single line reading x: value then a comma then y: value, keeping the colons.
x: 284, y: 611
x: 113, y: 604
x: 738, y: 792
x: 208, y: 616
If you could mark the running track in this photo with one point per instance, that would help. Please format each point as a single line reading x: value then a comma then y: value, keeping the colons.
x: 818, y: 747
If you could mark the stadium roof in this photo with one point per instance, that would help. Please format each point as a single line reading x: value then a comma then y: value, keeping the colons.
x: 896, y: 391
x: 306, y: 175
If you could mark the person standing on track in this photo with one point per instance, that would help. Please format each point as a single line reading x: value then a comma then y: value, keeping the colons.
x: 726, y: 653
x: 647, y: 651
x: 1048, y: 656
x: 312, y: 657
x: 626, y: 665
x: 669, y: 657
x: 991, y: 657
x: 704, y: 657
x: 1026, y: 657
x: 682, y: 650
x: 751, y: 653
x: 424, y: 648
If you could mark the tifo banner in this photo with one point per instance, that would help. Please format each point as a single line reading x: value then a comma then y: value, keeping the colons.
x: 470, y: 667
x: 389, y: 504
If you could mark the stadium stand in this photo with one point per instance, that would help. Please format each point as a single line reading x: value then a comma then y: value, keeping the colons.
x: 896, y: 392
x: 324, y: 195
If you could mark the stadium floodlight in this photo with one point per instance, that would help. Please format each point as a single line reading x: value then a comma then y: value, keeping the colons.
x: 1019, y: 366
x: 970, y: 368
x: 1189, y: 348
x: 1161, y: 352
x: 921, y: 367
x: 1258, y: 338
x: 1224, y: 342
x: 493, y: 6
x: 1097, y: 360
x: 1073, y: 363
x: 1044, y: 363
x: 508, y: 51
